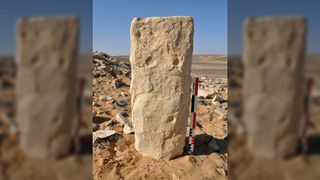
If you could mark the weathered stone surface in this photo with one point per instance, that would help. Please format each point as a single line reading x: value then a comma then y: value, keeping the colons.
x: 46, y: 90
x: 161, y: 57
x: 274, y: 84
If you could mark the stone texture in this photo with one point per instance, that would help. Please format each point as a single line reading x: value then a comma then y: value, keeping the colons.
x: 161, y: 57
x: 274, y: 55
x: 46, y: 90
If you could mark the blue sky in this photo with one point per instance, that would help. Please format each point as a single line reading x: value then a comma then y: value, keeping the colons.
x: 12, y: 10
x: 241, y: 9
x: 109, y: 22
x: 112, y: 18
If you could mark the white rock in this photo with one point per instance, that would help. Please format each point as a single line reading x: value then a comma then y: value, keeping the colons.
x: 123, y: 94
x: 94, y: 112
x: 128, y: 128
x: 121, y: 103
x: 203, y: 78
x: 161, y: 58
x: 218, y: 98
x: 104, y: 98
x: 101, y: 134
x: 116, y: 83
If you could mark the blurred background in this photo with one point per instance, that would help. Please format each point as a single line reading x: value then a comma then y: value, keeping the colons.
x: 244, y: 163
x: 15, y: 163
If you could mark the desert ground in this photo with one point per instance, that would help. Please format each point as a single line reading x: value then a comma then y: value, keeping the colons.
x: 202, y: 65
x: 14, y: 163
x: 114, y: 154
x: 243, y: 164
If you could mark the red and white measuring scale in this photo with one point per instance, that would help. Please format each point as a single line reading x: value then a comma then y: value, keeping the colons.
x: 193, y: 119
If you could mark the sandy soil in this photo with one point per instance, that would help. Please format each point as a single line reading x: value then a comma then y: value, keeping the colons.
x: 118, y: 159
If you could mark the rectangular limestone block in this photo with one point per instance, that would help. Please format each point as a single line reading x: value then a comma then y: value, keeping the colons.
x: 161, y: 57
x: 274, y: 55
x: 46, y: 91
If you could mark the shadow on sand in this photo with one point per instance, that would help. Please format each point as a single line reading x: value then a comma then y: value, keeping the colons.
x: 206, y: 144
x: 85, y: 145
x: 99, y: 120
x: 314, y: 144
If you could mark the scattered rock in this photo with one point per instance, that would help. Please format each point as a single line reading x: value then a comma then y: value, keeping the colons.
x: 111, y: 123
x: 95, y: 126
x: 95, y: 103
x: 114, y: 138
x: 94, y: 112
x: 100, y: 56
x: 202, y: 79
x: 105, y: 98
x: 101, y: 134
x: 121, y: 103
x: 198, y: 124
x: 224, y: 106
x: 101, y: 111
x: 210, y: 95
x: 106, y: 65
x: 205, y: 102
x: 123, y: 94
x: 116, y: 83
x: 128, y: 128
x: 98, y: 72
x: 217, y: 104
x: 218, y: 98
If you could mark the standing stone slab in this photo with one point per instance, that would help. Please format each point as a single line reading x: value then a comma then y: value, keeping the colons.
x: 46, y: 61
x: 161, y: 57
x: 274, y: 84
